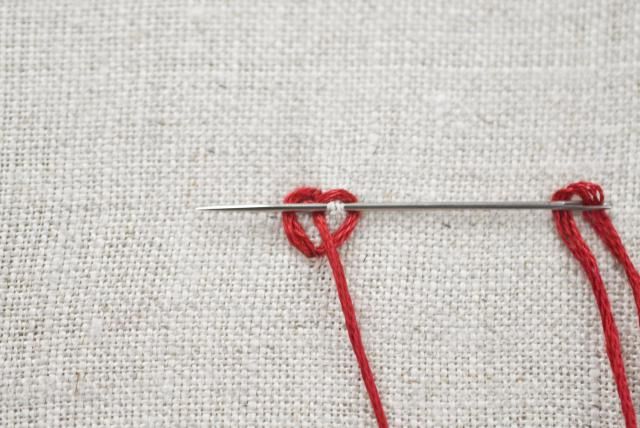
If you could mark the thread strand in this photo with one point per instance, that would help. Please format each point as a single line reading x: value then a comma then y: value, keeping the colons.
x: 329, y: 247
x: 592, y: 194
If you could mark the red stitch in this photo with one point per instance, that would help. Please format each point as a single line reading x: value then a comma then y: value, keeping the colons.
x: 592, y: 194
x: 329, y: 247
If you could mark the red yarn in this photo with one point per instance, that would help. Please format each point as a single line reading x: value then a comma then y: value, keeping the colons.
x: 591, y: 194
x: 329, y: 247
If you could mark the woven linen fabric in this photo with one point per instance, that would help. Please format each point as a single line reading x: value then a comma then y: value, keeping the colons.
x: 120, y: 305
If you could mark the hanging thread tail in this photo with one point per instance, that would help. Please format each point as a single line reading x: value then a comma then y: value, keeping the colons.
x: 601, y: 223
x: 592, y: 194
x: 329, y: 247
x: 350, y: 318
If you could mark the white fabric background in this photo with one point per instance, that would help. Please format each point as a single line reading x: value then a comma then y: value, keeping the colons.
x: 121, y: 305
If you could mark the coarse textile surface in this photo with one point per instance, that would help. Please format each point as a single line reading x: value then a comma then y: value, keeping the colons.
x: 120, y: 305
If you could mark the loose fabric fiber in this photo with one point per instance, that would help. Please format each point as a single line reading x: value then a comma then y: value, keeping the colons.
x: 120, y: 305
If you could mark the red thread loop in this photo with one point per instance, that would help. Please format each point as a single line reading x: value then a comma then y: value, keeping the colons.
x: 329, y: 247
x: 298, y: 236
x: 592, y: 194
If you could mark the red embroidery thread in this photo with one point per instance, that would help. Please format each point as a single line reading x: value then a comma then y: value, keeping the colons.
x: 329, y: 247
x: 592, y: 194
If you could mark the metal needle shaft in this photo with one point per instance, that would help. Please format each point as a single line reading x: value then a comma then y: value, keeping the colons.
x: 376, y: 206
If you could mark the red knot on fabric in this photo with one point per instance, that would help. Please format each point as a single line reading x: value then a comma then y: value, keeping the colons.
x: 592, y: 194
x: 329, y: 247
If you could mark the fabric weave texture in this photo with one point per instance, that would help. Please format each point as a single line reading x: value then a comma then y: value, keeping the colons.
x: 120, y: 305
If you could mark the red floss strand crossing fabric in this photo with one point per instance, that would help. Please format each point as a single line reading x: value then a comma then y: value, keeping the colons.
x: 329, y: 247
x: 592, y: 194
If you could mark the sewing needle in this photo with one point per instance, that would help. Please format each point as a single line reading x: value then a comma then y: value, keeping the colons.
x: 378, y: 206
